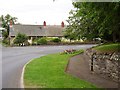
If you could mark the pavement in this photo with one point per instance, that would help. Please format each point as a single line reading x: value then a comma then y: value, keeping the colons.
x: 78, y: 66
x: 14, y: 58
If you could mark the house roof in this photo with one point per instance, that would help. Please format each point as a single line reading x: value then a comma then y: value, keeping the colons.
x: 37, y: 30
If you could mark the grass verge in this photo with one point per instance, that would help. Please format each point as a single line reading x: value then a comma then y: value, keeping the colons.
x: 108, y: 47
x: 49, y: 72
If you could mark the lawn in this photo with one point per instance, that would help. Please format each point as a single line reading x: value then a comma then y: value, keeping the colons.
x: 49, y: 72
x: 108, y: 48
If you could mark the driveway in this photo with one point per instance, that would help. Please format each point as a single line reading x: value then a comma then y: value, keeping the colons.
x: 14, y: 58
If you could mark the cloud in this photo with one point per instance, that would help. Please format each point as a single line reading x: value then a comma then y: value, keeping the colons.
x: 31, y: 11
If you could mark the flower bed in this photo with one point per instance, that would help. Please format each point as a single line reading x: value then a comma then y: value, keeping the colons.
x: 69, y: 51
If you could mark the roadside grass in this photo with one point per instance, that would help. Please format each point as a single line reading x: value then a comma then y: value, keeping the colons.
x: 49, y: 72
x: 115, y: 47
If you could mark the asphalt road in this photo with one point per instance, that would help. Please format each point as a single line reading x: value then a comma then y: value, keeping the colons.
x: 0, y: 66
x: 14, y: 58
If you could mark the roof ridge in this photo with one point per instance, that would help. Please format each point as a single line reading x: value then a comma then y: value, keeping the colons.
x: 35, y: 25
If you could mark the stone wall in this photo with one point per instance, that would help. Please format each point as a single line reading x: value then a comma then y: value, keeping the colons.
x: 105, y: 64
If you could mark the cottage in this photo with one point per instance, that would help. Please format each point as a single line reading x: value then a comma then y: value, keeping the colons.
x: 36, y: 31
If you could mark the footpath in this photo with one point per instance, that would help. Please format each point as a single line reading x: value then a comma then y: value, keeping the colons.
x: 78, y: 66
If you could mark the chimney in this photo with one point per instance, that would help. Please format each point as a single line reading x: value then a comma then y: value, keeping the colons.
x: 62, y: 24
x: 44, y: 23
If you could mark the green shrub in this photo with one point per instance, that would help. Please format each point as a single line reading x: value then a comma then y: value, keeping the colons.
x: 49, y: 38
x: 56, y: 40
x: 5, y: 41
x: 42, y: 41
x: 20, y: 38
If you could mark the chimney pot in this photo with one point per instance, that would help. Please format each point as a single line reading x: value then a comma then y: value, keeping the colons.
x: 62, y: 24
x: 44, y: 23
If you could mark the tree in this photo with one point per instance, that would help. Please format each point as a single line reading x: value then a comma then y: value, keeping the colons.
x: 93, y: 19
x: 20, y: 39
x: 6, y: 20
x: 69, y: 33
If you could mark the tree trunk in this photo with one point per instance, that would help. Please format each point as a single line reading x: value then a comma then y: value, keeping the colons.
x: 114, y: 36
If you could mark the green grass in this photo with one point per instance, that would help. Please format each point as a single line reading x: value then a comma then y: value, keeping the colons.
x: 49, y: 72
x: 108, y: 48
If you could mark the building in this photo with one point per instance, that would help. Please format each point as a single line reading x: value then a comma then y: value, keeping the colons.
x: 36, y: 31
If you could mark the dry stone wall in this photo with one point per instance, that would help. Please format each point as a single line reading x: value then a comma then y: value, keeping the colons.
x: 106, y: 65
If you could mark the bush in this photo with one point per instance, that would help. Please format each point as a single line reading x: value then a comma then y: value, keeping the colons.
x: 49, y: 38
x: 42, y: 41
x: 20, y: 39
x: 5, y: 41
x: 56, y: 40
x: 72, y: 51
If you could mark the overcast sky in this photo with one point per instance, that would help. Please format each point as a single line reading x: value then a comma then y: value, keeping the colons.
x: 37, y: 11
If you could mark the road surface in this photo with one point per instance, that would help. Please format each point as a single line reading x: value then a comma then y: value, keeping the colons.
x: 14, y: 58
x: 0, y: 66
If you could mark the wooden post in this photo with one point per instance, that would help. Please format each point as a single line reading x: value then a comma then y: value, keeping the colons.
x: 92, y: 62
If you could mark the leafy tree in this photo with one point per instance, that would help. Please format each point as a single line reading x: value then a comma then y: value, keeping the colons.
x: 5, y: 22
x: 20, y: 39
x: 5, y: 34
x: 93, y: 19
x: 69, y: 33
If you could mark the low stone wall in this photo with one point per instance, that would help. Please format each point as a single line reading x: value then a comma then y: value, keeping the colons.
x: 105, y: 64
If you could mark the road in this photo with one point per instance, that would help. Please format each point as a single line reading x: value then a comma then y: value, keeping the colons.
x: 14, y: 58
x: 0, y: 66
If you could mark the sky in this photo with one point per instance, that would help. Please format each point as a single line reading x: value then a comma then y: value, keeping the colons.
x: 37, y: 11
